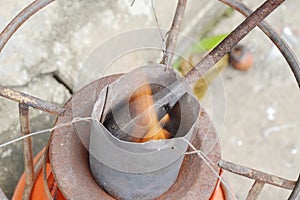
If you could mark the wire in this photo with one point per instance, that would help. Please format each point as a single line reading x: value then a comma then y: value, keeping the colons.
x: 205, y: 158
x: 75, y: 120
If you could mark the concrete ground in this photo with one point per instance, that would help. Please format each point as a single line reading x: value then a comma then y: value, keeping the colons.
x: 258, y: 122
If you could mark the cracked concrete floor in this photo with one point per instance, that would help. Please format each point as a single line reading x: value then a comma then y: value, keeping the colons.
x: 261, y: 125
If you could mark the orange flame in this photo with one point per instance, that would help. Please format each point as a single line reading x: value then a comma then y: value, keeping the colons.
x: 141, y: 103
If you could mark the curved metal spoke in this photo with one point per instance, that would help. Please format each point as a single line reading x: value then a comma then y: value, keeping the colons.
x: 281, y: 44
x: 22, y: 17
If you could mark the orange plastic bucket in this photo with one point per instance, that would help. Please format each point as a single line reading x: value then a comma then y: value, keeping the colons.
x: 38, y: 190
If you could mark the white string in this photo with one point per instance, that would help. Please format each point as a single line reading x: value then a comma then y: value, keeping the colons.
x: 74, y: 120
x: 163, y: 38
x: 156, y: 21
x: 163, y: 46
x: 205, y: 158
x: 199, y: 151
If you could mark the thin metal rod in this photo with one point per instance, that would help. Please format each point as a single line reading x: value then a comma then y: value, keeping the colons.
x: 30, y: 101
x: 25, y: 14
x: 257, y: 175
x: 173, y: 33
x: 281, y: 44
x: 37, y: 168
x: 45, y: 161
x: 295, y: 195
x: 255, y: 190
x: 231, y: 40
x: 27, y: 150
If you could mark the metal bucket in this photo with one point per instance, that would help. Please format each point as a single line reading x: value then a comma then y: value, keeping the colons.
x: 128, y: 170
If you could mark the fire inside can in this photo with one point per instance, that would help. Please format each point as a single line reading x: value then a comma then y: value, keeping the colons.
x: 134, y: 157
